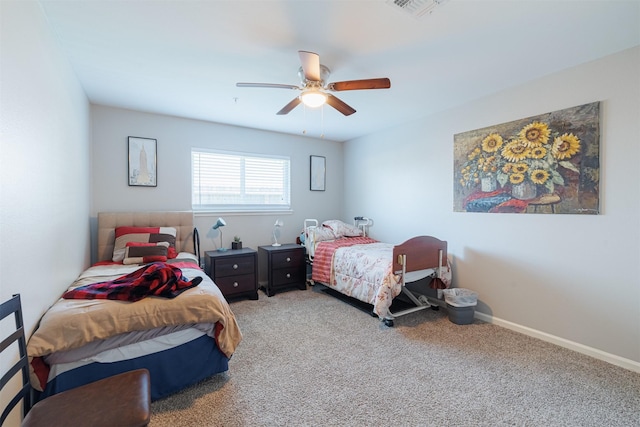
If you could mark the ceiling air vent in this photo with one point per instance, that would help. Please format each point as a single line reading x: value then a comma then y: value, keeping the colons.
x: 416, y: 8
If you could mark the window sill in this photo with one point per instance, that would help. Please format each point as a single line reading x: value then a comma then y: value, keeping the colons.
x: 236, y: 212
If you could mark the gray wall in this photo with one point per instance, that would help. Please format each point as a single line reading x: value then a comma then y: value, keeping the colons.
x: 44, y: 168
x: 176, y: 137
x: 44, y: 163
x: 571, y: 279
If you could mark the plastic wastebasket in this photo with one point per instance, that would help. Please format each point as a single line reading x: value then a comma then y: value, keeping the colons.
x: 460, y: 305
x: 459, y: 297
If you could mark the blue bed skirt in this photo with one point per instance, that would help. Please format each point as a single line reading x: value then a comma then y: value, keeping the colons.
x: 171, y: 370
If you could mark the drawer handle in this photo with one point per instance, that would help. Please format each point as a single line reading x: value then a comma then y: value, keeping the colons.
x: 235, y: 284
x: 235, y: 266
x: 288, y: 259
x: 288, y: 275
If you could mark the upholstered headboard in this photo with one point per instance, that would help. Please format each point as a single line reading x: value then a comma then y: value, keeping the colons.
x: 108, y: 221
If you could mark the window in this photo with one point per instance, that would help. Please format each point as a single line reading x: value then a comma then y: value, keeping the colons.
x: 227, y: 181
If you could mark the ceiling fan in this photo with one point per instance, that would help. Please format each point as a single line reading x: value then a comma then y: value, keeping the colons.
x: 314, y: 87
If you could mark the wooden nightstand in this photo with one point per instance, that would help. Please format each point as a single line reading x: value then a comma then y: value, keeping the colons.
x: 281, y: 267
x: 234, y: 271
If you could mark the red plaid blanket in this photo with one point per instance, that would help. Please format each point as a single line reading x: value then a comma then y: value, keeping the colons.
x: 155, y: 279
x: 323, y: 258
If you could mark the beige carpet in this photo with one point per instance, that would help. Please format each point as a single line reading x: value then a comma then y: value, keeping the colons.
x: 308, y: 359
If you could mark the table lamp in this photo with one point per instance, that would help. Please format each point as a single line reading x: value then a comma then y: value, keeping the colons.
x: 220, y: 223
x: 277, y: 225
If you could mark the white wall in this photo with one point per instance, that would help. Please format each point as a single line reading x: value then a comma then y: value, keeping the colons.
x: 176, y: 137
x: 44, y: 165
x: 571, y: 279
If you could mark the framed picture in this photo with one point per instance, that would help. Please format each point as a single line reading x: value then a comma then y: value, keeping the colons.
x: 318, y: 173
x: 544, y: 164
x: 143, y: 162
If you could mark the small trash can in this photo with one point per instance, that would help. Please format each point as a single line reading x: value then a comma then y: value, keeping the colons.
x: 461, y: 305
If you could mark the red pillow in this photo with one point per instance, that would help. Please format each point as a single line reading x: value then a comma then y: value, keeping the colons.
x: 153, y: 235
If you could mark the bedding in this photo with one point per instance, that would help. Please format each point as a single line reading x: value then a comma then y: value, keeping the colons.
x: 71, y: 324
x: 324, y: 256
x: 342, y: 229
x: 142, y: 253
x: 125, y: 236
x: 374, y: 272
x: 168, y: 317
x: 154, y: 279
x: 323, y: 234
x: 359, y: 268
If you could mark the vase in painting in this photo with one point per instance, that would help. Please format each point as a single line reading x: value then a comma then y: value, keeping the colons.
x: 488, y: 184
x: 526, y: 190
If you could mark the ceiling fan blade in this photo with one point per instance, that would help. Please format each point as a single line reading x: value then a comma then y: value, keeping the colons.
x: 382, y: 83
x: 310, y: 65
x: 339, y: 105
x: 268, y: 85
x: 290, y: 106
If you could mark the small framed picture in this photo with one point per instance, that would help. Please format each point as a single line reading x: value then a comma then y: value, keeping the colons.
x: 318, y: 173
x: 143, y: 161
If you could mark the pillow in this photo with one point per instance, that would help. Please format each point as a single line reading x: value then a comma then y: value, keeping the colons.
x: 143, y: 253
x: 184, y: 257
x: 125, y: 235
x: 341, y: 229
x: 321, y: 234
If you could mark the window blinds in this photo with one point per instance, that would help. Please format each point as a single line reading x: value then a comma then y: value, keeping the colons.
x: 226, y: 181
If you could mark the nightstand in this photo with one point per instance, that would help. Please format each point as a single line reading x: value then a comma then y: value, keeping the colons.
x: 281, y: 267
x: 234, y: 271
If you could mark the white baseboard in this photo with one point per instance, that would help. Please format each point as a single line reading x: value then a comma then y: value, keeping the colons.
x: 580, y: 348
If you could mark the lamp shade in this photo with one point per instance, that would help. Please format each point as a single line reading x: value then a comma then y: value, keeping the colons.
x: 219, y: 223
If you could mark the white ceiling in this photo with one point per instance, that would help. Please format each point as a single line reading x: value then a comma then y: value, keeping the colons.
x: 183, y: 58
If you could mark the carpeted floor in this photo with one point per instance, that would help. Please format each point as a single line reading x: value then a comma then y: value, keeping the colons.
x: 308, y: 359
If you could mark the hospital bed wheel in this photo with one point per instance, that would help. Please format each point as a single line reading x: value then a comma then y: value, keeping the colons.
x: 388, y: 322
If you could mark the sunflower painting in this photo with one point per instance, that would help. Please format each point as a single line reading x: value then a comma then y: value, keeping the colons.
x: 543, y: 164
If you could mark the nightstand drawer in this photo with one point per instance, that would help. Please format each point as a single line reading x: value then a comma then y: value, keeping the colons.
x: 234, y: 266
x: 284, y: 276
x: 236, y: 284
x: 287, y: 259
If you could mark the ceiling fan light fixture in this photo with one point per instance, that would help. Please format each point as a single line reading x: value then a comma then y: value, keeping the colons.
x: 314, y: 91
x: 313, y: 98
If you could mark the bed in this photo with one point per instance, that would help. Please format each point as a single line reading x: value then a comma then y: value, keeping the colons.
x: 346, y: 260
x: 162, y: 313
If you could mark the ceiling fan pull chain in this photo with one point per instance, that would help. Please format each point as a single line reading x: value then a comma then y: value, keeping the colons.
x: 304, y: 119
x: 322, y: 122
